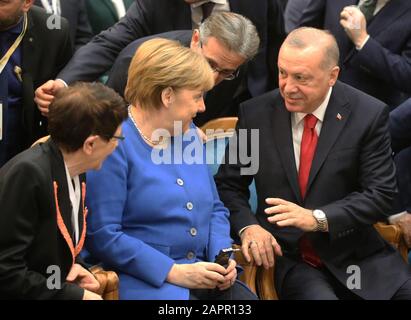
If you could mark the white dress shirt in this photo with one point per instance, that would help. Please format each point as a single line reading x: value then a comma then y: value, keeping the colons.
x: 197, y: 12
x: 75, y: 196
x: 297, y: 126
x: 120, y: 8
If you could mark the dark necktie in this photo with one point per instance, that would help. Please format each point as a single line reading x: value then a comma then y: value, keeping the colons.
x: 307, y: 151
x: 207, y: 8
x: 368, y: 8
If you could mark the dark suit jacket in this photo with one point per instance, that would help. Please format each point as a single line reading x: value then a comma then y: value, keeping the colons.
x: 221, y: 101
x: 400, y: 129
x: 75, y: 13
x: 148, y: 17
x: 352, y: 180
x: 102, y: 14
x: 383, y: 67
x: 30, y: 240
x: 400, y: 126
x: 45, y: 53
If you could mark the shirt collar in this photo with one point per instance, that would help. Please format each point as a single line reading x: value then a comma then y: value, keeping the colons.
x: 200, y: 3
x: 318, y: 113
x: 16, y: 29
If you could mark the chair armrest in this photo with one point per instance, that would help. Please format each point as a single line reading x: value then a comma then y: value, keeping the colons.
x: 392, y: 233
x: 108, y: 282
x: 248, y: 276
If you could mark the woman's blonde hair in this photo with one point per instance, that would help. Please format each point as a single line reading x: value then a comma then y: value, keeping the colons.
x: 161, y: 63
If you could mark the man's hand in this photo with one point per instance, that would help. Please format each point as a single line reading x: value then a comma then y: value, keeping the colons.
x: 288, y: 214
x: 199, y: 275
x: 230, y: 276
x: 83, y: 278
x: 354, y: 23
x: 262, y: 244
x: 44, y: 95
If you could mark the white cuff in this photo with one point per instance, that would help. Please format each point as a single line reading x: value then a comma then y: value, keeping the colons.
x: 64, y: 82
x: 363, y: 44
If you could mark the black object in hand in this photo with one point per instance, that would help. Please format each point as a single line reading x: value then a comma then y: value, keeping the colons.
x: 224, y: 256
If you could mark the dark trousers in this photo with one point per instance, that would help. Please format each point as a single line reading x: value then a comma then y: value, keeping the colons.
x: 304, y: 282
x: 238, y: 291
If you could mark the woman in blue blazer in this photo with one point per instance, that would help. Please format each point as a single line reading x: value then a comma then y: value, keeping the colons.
x: 155, y: 216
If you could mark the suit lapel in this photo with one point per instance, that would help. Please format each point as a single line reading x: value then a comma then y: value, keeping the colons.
x: 390, y: 13
x: 59, y: 176
x: 283, y: 137
x: 335, y: 118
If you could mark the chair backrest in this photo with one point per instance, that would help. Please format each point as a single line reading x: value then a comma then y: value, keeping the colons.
x: 40, y: 140
x: 218, y: 132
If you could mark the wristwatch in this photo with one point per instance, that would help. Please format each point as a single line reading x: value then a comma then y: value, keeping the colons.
x: 322, y: 223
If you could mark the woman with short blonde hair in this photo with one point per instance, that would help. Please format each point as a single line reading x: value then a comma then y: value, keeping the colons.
x: 156, y: 217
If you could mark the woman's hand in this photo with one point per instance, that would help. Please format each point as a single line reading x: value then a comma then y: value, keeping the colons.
x: 230, y: 277
x: 199, y: 275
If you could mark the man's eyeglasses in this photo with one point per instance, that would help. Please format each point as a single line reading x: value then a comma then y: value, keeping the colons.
x: 118, y: 137
x: 114, y: 137
x: 224, y: 73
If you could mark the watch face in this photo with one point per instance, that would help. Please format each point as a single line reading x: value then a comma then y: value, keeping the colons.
x: 319, y: 214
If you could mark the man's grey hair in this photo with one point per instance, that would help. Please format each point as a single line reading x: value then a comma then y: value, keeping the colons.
x: 235, y: 32
x: 304, y: 37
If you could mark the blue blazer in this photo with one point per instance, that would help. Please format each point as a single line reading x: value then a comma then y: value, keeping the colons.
x: 352, y: 180
x: 148, y: 17
x: 145, y: 217
x: 383, y: 67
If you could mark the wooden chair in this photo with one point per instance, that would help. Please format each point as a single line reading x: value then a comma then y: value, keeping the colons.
x: 108, y: 280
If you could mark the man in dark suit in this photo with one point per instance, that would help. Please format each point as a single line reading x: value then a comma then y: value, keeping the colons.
x: 42, y: 194
x: 325, y: 177
x: 41, y: 54
x: 375, y: 45
x: 75, y: 13
x: 375, y: 51
x: 147, y: 17
x: 221, y: 101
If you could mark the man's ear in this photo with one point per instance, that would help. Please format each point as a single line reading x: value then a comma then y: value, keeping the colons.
x: 167, y: 97
x: 195, y: 40
x: 334, y: 75
x: 27, y: 5
x: 88, y: 145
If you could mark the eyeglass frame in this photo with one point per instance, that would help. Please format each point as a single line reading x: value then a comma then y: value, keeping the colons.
x: 234, y: 74
x: 121, y: 138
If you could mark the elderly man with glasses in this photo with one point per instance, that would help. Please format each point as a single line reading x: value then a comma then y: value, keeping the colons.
x: 227, y: 41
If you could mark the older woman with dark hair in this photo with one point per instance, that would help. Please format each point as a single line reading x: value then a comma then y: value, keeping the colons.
x: 156, y: 216
x: 42, y: 192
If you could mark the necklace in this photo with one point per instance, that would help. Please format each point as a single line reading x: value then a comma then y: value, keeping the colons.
x: 147, y: 139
